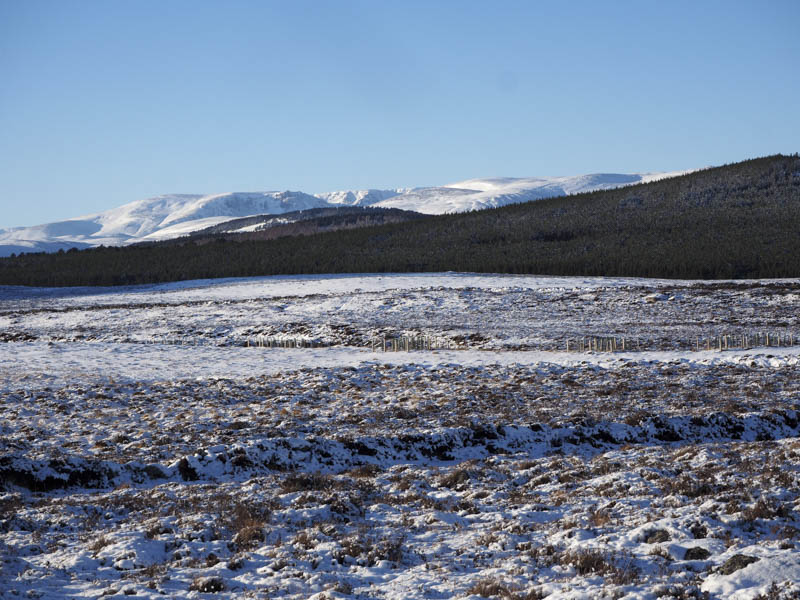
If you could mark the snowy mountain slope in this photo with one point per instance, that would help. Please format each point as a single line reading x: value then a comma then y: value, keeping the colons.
x: 436, y: 200
x: 244, y: 204
x: 361, y: 197
x: 151, y: 219
x: 8, y: 247
x: 174, y: 215
x: 475, y: 194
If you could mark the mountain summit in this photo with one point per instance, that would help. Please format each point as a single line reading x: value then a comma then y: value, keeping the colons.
x: 174, y: 215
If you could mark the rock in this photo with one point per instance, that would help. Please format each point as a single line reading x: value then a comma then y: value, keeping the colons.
x: 736, y: 562
x: 696, y: 553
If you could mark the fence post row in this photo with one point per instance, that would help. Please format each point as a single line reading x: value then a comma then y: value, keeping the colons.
x: 741, y: 341
x: 408, y: 343
x: 386, y: 344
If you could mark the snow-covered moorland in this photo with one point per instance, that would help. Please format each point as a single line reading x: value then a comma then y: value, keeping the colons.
x: 146, y: 449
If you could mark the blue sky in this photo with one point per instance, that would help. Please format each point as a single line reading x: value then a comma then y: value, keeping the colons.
x: 103, y: 103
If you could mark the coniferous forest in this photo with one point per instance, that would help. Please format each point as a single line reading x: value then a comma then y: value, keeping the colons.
x: 736, y: 221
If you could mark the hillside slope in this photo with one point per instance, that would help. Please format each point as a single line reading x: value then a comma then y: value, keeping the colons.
x: 494, y: 192
x: 176, y: 215
x: 737, y: 221
x: 157, y: 218
x: 304, y: 222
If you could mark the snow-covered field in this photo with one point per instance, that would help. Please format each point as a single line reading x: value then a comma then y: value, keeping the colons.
x: 150, y: 447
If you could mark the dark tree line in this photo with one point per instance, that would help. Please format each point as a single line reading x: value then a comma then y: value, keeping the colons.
x: 736, y: 221
x: 306, y: 222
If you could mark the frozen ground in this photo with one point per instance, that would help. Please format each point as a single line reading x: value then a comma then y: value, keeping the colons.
x: 507, y: 467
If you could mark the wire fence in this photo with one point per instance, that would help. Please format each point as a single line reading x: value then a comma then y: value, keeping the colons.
x: 582, y: 344
x: 409, y: 343
x: 261, y: 341
x: 727, y: 341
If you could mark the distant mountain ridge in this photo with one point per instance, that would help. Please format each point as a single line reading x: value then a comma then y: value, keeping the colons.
x: 174, y: 215
x: 362, y: 197
x: 738, y: 221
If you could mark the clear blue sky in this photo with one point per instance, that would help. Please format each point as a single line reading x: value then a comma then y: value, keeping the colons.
x: 103, y: 103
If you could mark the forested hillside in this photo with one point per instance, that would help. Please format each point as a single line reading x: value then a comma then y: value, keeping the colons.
x: 304, y: 222
x: 736, y: 221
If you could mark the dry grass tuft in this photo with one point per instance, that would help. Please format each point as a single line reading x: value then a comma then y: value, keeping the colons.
x: 599, y: 517
x: 615, y: 568
x: 456, y: 479
x: 493, y: 588
x: 248, y: 522
x: 100, y: 543
x: 306, y: 482
x: 207, y: 585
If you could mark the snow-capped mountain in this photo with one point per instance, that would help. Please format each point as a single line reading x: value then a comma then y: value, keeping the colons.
x: 158, y: 218
x: 475, y: 194
x: 362, y: 197
x: 175, y: 215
